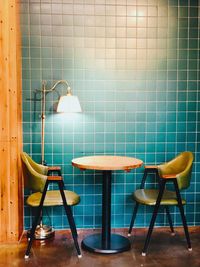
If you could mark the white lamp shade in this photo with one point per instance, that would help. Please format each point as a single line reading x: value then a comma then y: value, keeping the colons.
x: 69, y: 104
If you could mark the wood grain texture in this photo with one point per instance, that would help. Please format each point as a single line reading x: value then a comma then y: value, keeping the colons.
x: 106, y: 163
x: 11, y: 204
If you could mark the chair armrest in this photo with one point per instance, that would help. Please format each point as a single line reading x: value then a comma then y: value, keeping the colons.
x: 168, y: 176
x: 148, y: 169
x: 54, y: 178
x: 54, y: 169
x: 151, y: 167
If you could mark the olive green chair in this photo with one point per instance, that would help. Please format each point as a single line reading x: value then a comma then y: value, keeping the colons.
x: 178, y: 171
x: 37, y: 178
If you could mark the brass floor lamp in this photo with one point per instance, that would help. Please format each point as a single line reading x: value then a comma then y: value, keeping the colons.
x: 67, y: 104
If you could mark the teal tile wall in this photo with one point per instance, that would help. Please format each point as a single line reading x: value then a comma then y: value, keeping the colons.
x: 134, y: 65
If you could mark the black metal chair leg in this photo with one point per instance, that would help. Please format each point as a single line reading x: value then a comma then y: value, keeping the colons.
x: 180, y: 205
x: 133, y: 218
x: 157, y: 205
x: 70, y: 218
x: 35, y: 223
x: 73, y: 222
x: 169, y: 220
x: 137, y: 204
x: 144, y: 178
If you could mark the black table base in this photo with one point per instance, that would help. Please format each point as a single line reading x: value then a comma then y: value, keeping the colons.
x: 118, y: 243
x: 106, y: 243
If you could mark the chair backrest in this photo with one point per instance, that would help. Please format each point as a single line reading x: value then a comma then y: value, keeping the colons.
x: 34, y: 176
x: 37, y: 167
x: 181, y: 165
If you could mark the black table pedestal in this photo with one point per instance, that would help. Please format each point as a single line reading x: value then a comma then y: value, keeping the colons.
x: 118, y: 243
x: 106, y: 242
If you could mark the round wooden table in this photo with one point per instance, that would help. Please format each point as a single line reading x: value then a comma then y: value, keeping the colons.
x: 106, y: 242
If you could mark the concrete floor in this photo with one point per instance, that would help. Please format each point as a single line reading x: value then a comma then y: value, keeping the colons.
x: 165, y: 250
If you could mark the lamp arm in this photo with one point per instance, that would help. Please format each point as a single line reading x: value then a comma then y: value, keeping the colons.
x: 58, y: 82
x: 44, y: 90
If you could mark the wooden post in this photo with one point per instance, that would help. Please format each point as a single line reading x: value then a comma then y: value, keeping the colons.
x: 11, y: 187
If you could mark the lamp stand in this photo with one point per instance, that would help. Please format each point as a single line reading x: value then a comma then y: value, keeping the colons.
x: 43, y: 99
x: 42, y: 232
x: 45, y: 231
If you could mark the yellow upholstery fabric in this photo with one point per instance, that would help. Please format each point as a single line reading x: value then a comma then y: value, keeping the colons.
x: 149, y: 197
x: 181, y: 166
x: 37, y: 167
x: 33, y: 179
x: 53, y: 198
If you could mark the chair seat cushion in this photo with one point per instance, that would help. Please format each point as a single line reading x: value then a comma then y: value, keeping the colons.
x: 149, y: 197
x: 53, y: 198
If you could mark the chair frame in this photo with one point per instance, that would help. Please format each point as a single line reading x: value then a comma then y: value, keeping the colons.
x: 54, y: 179
x: 162, y: 182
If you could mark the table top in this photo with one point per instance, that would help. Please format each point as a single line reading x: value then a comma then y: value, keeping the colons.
x: 108, y: 163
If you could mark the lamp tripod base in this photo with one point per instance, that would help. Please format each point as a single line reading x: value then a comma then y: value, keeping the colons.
x: 42, y: 232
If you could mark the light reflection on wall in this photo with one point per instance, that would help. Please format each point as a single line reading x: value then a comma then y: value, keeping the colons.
x: 133, y: 37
